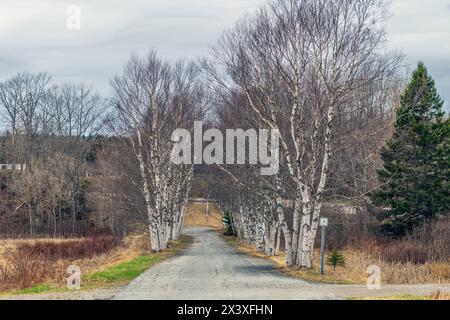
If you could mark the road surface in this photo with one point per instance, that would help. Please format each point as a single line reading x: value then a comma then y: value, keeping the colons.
x: 211, y: 269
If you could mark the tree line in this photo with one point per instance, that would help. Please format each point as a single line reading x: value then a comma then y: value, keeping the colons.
x: 47, y: 130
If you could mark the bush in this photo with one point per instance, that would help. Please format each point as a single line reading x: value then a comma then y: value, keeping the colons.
x: 427, y: 243
x: 435, y: 236
x: 346, y: 229
x: 32, y: 263
x: 21, y: 270
x: 228, y: 222
x: 70, y: 249
x: 403, y: 251
x: 336, y: 259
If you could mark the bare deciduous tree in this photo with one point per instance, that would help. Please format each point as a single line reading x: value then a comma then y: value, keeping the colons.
x: 21, y: 98
x: 42, y: 122
x: 151, y: 100
x: 300, y: 64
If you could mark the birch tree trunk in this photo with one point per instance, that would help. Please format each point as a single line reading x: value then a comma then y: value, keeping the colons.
x: 296, y: 64
x: 152, y: 99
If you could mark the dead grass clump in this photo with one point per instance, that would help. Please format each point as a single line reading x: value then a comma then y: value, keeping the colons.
x: 198, y: 215
x: 138, y: 243
x: 404, y: 252
x: 407, y: 273
x: 440, y: 296
x: 20, y: 270
x: 357, y: 262
x: 24, y: 264
x: 73, y: 249
x: 440, y: 270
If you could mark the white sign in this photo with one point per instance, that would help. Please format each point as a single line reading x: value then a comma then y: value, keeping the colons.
x: 324, y: 222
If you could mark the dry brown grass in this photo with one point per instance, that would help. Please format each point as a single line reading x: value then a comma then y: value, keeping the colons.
x: 73, y: 249
x: 355, y: 271
x: 197, y: 216
x: 440, y: 296
x: 21, y: 269
x: 133, y: 246
x: 436, y: 296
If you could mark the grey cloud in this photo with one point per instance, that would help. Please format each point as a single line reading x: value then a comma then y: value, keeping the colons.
x: 34, y: 35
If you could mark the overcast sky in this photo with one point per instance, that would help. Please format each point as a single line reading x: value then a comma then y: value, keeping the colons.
x: 34, y: 35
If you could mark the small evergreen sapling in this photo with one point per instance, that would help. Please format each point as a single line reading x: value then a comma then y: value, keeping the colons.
x: 336, y: 259
x: 228, y: 222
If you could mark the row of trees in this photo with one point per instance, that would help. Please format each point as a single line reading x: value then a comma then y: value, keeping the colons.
x: 151, y: 100
x: 51, y: 130
x: 316, y: 72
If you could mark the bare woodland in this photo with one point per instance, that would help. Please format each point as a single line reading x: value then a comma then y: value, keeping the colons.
x: 47, y: 129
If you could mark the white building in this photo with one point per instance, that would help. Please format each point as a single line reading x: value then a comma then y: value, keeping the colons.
x: 9, y: 166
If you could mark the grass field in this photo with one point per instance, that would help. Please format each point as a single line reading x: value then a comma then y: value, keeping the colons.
x: 128, y: 270
x: 198, y: 215
x: 114, y: 267
x: 355, y: 270
x: 408, y: 297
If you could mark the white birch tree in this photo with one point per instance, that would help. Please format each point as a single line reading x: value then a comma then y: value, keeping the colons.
x: 151, y: 100
x: 299, y: 64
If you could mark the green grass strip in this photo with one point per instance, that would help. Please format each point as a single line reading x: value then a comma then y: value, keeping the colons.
x: 126, y: 271
x: 119, y: 274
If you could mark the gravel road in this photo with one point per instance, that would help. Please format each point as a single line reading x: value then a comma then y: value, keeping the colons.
x: 212, y: 269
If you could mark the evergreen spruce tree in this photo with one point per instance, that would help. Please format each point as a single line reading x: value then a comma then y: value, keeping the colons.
x: 228, y: 222
x: 415, y: 177
x: 336, y: 259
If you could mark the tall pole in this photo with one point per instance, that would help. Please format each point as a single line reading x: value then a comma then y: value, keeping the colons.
x: 322, y: 249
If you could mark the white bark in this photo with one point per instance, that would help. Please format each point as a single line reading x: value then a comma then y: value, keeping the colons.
x: 152, y: 99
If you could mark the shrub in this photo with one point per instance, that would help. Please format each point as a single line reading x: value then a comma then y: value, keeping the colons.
x: 348, y: 229
x: 336, y: 259
x: 21, y: 270
x: 435, y: 236
x: 427, y: 243
x: 33, y: 263
x: 70, y: 249
x: 228, y: 222
x: 403, y: 251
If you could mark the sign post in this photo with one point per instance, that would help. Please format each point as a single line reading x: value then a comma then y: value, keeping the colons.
x: 324, y: 225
